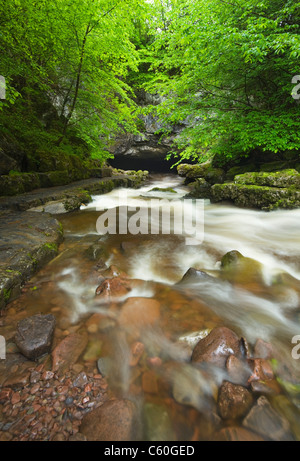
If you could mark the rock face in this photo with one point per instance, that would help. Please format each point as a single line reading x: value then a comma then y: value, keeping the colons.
x: 34, y: 335
x: 27, y: 242
x: 216, y: 347
x: 114, y: 421
x: 146, y: 150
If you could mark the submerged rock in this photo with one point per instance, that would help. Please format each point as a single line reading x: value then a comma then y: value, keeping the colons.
x: 158, y: 423
x: 35, y: 334
x: 138, y: 313
x: 240, y: 269
x: 68, y: 351
x: 217, y: 347
x: 263, y: 419
x: 114, y: 421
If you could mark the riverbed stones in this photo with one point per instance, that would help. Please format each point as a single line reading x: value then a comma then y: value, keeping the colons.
x: 34, y: 335
x: 234, y: 401
x: 115, y: 420
x: 264, y: 420
x: 217, y: 347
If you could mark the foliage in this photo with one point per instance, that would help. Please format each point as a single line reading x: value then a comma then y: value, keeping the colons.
x: 226, y: 68
x: 77, y: 55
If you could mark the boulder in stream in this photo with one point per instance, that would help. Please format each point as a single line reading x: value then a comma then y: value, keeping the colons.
x: 217, y: 347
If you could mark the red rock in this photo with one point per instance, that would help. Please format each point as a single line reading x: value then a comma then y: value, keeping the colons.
x: 149, y: 382
x: 137, y: 313
x: 234, y: 401
x: 115, y: 420
x: 261, y: 370
x: 68, y: 351
x: 88, y: 388
x: 154, y: 362
x: 137, y: 349
x: 97, y: 376
x: 5, y: 394
x: 35, y: 389
x: 47, y: 375
x: 113, y: 288
x: 40, y: 368
x: 16, y: 398
x: 216, y: 347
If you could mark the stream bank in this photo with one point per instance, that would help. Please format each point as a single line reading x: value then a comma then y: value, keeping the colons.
x: 30, y: 234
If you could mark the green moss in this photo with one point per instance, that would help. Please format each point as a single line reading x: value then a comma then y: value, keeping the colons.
x: 161, y: 189
x: 51, y: 246
x: 6, y: 295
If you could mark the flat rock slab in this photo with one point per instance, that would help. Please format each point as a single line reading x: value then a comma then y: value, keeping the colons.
x: 28, y: 241
x: 38, y: 197
x: 34, y: 335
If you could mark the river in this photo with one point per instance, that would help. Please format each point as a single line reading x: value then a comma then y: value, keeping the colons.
x: 260, y: 300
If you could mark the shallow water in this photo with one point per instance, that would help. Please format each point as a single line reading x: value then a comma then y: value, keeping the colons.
x: 256, y: 303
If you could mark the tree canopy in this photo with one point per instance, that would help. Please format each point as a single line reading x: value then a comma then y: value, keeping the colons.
x: 224, y: 69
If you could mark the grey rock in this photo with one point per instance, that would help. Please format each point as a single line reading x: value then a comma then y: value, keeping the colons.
x: 35, y: 334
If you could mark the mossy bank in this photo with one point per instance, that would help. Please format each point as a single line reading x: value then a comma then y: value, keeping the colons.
x: 265, y: 190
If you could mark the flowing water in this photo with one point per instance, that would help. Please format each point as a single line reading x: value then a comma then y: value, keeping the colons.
x: 260, y: 300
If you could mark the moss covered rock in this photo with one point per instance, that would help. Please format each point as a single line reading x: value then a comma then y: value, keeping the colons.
x: 18, y: 183
x: 284, y: 179
x: 199, y: 189
x: 204, y: 170
x: 252, y: 196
